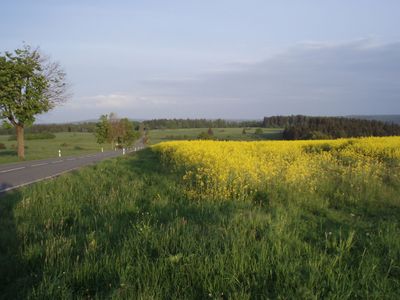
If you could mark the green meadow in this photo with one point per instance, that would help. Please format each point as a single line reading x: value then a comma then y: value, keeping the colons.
x: 236, y: 134
x: 70, y: 143
x: 126, y: 229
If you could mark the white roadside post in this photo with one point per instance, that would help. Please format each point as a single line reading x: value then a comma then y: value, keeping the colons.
x: 123, y: 151
x: 102, y: 150
x: 59, y: 153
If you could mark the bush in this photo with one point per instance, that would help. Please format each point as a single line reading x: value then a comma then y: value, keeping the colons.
x: 258, y: 131
x: 2, y: 146
x: 205, y: 136
x: 317, y: 135
x: 78, y: 148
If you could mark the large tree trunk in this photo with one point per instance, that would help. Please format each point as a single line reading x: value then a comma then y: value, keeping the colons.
x: 20, y: 141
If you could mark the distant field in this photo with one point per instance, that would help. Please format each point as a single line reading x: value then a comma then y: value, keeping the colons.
x: 70, y: 143
x: 236, y: 134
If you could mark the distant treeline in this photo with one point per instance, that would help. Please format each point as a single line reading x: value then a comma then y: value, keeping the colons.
x: 304, y: 127
x: 384, y: 118
x: 198, y: 123
x: 53, y: 128
x: 34, y: 136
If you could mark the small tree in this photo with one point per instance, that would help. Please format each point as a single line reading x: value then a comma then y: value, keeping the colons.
x: 102, y: 129
x: 210, y: 131
x: 244, y: 131
x: 29, y: 85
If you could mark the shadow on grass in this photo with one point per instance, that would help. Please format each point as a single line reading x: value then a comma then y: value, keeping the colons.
x: 16, y: 276
x: 8, y: 153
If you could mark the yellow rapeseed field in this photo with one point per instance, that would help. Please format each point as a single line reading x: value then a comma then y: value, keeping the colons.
x: 227, y: 169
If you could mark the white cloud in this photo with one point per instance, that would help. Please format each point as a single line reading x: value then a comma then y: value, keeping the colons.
x: 110, y: 101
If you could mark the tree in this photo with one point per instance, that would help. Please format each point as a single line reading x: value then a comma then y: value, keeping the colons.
x: 115, y: 131
x: 30, y: 84
x: 129, y: 135
x: 119, y: 132
x: 102, y: 129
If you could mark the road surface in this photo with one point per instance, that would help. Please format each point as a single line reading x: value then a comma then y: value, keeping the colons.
x: 15, y: 175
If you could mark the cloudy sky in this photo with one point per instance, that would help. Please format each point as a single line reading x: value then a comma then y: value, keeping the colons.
x: 240, y: 59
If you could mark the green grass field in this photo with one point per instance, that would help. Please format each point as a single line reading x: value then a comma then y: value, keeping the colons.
x: 70, y: 143
x: 76, y: 143
x: 162, y: 135
x: 125, y: 229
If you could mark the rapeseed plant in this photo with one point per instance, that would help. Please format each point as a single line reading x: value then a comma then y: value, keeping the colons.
x: 220, y: 169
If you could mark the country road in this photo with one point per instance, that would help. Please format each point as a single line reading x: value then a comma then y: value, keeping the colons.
x: 15, y: 175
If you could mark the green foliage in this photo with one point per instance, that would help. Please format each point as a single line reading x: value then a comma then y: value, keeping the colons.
x: 35, y: 136
x: 198, y: 123
x: 258, y: 131
x: 113, y: 130
x: 383, y: 118
x: 129, y: 134
x: 205, y: 136
x: 318, y: 135
x: 23, y: 86
x: 125, y: 229
x: 102, y: 129
x: 53, y: 128
x: 29, y: 85
x: 306, y: 127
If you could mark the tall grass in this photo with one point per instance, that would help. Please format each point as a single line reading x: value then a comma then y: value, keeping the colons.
x: 125, y: 229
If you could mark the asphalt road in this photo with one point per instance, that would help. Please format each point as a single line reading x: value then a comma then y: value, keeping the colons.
x: 15, y: 175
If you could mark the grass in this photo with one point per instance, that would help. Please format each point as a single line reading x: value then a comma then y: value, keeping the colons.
x: 70, y: 143
x: 162, y: 135
x: 125, y: 229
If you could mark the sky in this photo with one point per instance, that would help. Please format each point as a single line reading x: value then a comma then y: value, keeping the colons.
x: 233, y: 59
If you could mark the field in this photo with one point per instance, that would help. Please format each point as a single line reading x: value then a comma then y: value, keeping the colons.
x: 76, y: 143
x: 212, y: 220
x: 70, y: 143
x: 162, y: 135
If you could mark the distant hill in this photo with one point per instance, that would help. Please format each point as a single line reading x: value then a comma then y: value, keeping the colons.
x: 383, y: 118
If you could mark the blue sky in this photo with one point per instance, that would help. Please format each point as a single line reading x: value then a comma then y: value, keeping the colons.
x: 228, y: 59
